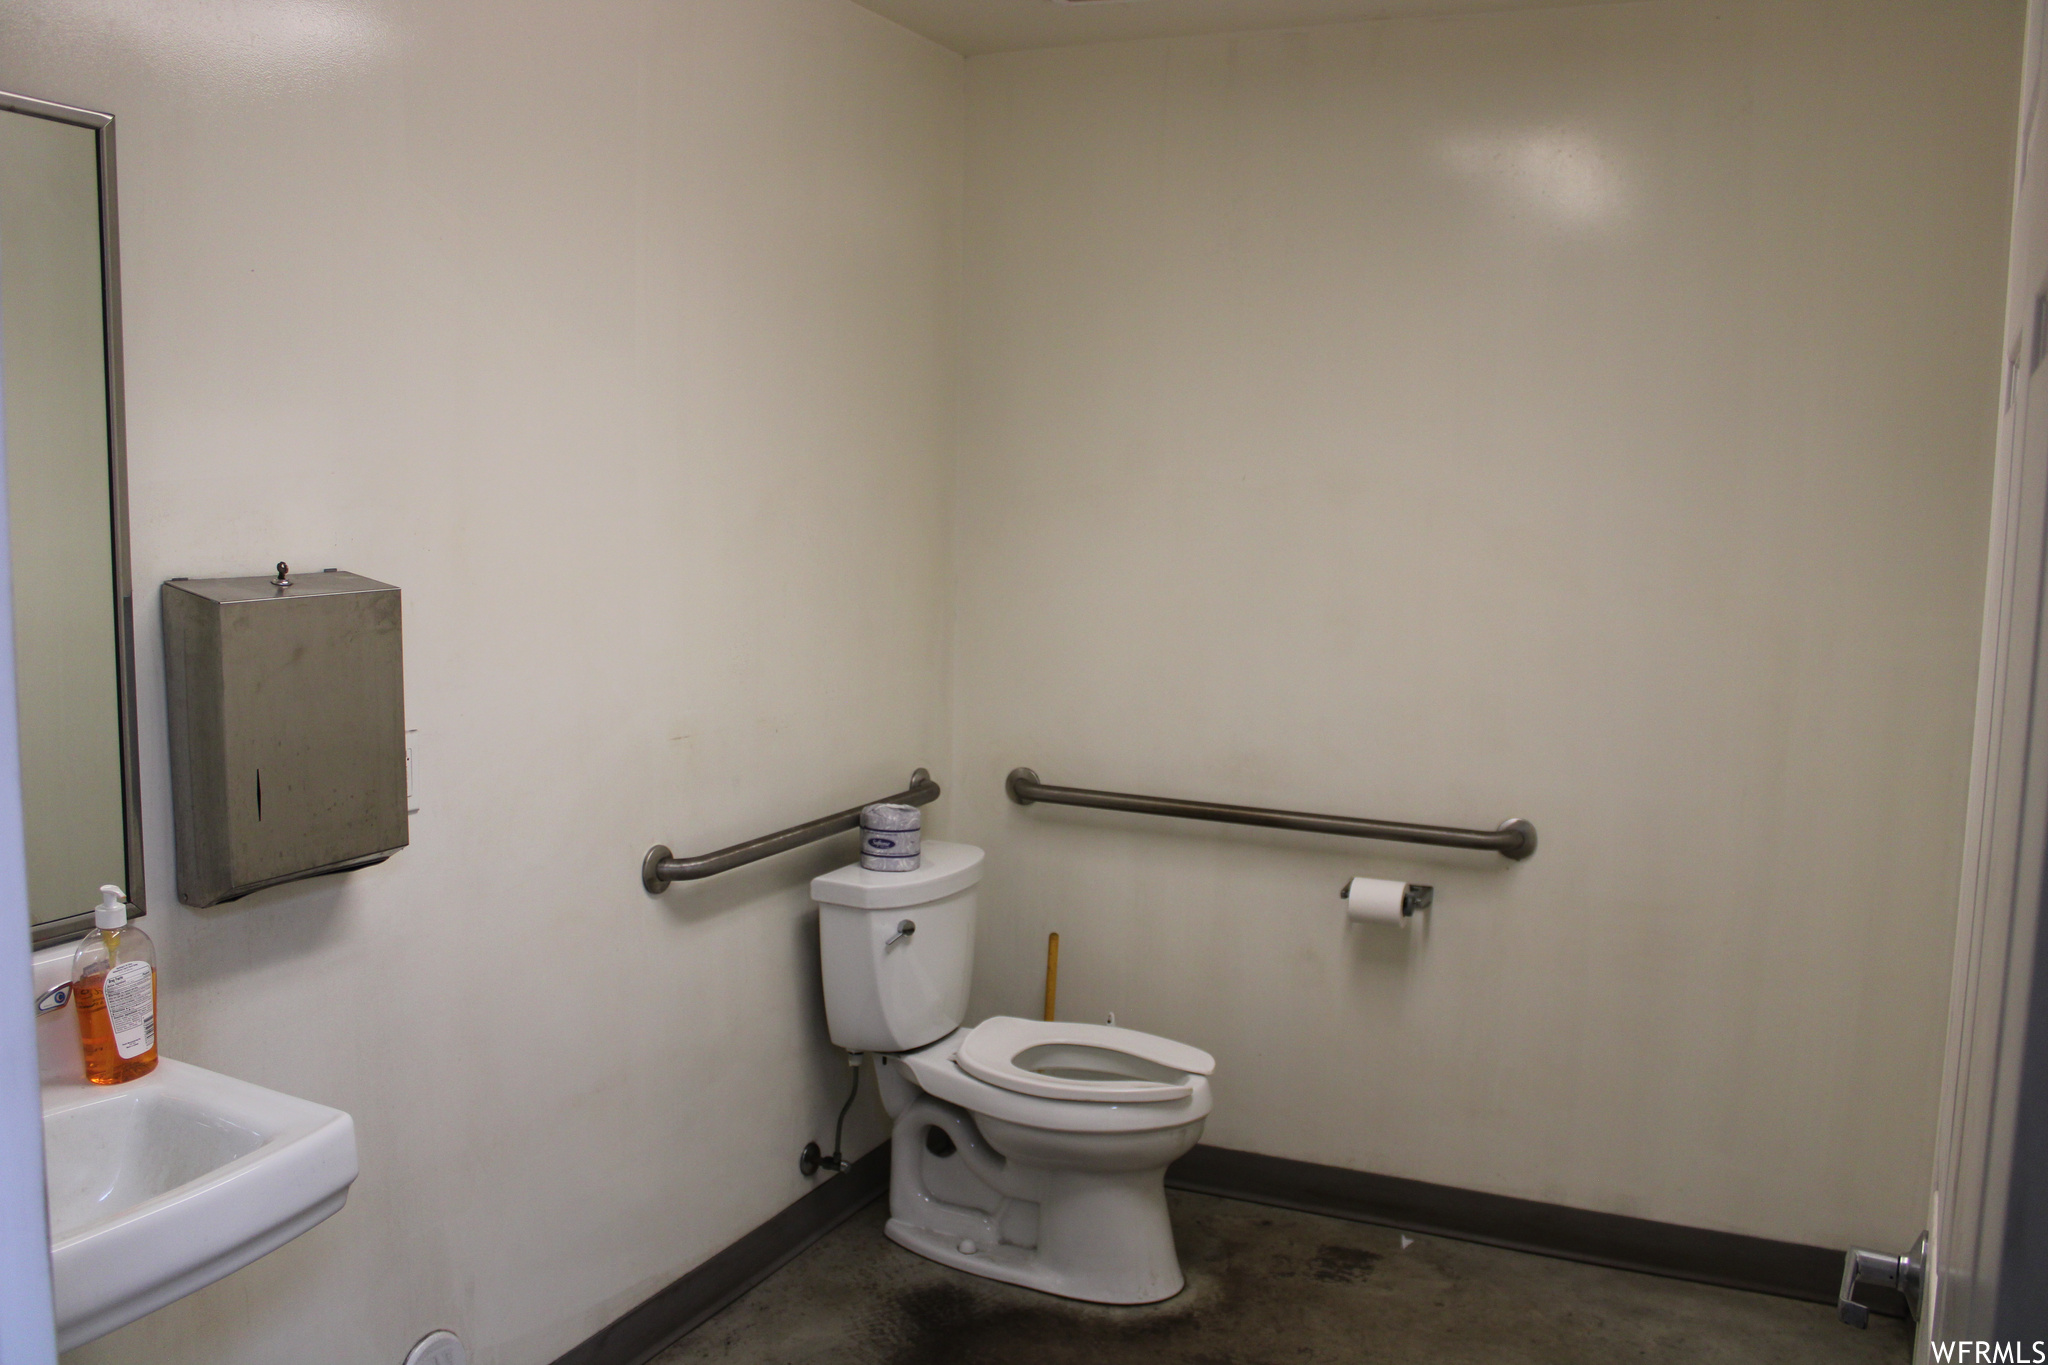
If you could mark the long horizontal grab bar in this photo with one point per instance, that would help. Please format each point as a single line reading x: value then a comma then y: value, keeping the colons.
x: 1514, y: 839
x: 660, y: 867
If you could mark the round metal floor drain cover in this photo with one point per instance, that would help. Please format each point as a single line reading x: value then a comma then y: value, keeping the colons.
x: 438, y: 1348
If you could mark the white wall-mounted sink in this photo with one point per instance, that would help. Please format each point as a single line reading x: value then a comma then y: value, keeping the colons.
x: 162, y: 1185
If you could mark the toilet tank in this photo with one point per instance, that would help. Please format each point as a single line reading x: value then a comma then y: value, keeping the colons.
x: 889, y: 988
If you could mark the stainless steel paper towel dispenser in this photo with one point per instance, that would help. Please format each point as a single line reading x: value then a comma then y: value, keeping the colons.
x: 287, y: 726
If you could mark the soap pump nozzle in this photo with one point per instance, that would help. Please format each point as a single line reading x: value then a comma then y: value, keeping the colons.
x: 112, y: 911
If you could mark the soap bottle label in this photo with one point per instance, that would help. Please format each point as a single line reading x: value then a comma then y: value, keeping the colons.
x: 131, y: 1008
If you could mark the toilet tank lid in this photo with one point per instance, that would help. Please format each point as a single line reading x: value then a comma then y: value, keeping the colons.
x: 943, y: 870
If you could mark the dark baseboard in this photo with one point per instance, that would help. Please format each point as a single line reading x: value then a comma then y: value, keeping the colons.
x: 1788, y: 1269
x: 659, y: 1322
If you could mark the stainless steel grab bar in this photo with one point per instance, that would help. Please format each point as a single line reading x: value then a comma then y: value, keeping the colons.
x: 1514, y: 839
x: 660, y: 867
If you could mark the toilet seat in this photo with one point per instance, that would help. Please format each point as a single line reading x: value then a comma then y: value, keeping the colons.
x: 937, y: 1072
x: 1092, y: 1063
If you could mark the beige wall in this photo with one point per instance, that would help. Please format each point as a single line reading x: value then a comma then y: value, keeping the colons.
x: 613, y: 333
x: 1584, y: 415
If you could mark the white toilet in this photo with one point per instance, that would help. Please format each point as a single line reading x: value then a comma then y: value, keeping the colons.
x: 1024, y: 1151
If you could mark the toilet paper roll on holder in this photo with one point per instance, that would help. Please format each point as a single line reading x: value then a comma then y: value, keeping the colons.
x: 1414, y: 897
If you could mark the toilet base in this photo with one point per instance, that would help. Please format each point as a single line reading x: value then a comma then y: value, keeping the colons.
x: 1018, y: 1205
x: 1010, y: 1264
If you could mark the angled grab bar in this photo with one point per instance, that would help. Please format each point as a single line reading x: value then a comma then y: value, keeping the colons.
x: 1515, y: 839
x: 660, y: 867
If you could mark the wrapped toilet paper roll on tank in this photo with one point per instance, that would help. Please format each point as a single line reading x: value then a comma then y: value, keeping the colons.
x: 1371, y: 900
x: 891, y: 837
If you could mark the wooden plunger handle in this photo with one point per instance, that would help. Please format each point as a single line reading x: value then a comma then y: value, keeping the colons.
x: 1052, y: 972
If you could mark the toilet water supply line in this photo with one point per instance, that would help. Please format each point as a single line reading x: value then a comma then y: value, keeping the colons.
x: 813, y: 1159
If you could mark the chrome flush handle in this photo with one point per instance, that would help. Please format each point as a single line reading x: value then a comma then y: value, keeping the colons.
x: 55, y: 998
x: 904, y: 929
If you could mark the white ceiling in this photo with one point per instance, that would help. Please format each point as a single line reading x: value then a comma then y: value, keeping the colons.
x: 975, y: 26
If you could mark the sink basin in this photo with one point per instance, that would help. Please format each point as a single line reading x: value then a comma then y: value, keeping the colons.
x: 161, y: 1186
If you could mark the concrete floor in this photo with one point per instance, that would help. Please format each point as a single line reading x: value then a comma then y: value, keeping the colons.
x: 1270, y: 1287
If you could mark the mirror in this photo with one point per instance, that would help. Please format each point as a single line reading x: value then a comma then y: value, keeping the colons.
x: 60, y: 418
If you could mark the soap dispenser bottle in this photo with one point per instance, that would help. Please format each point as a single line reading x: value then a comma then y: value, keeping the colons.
x: 113, y: 988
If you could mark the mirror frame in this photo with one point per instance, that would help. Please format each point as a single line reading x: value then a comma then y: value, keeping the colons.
x: 57, y: 930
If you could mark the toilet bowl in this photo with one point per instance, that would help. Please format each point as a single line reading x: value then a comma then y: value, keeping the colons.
x: 1062, y: 1194
x: 1024, y: 1151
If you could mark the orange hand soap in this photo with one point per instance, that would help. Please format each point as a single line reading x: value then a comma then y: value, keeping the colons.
x: 113, y: 988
